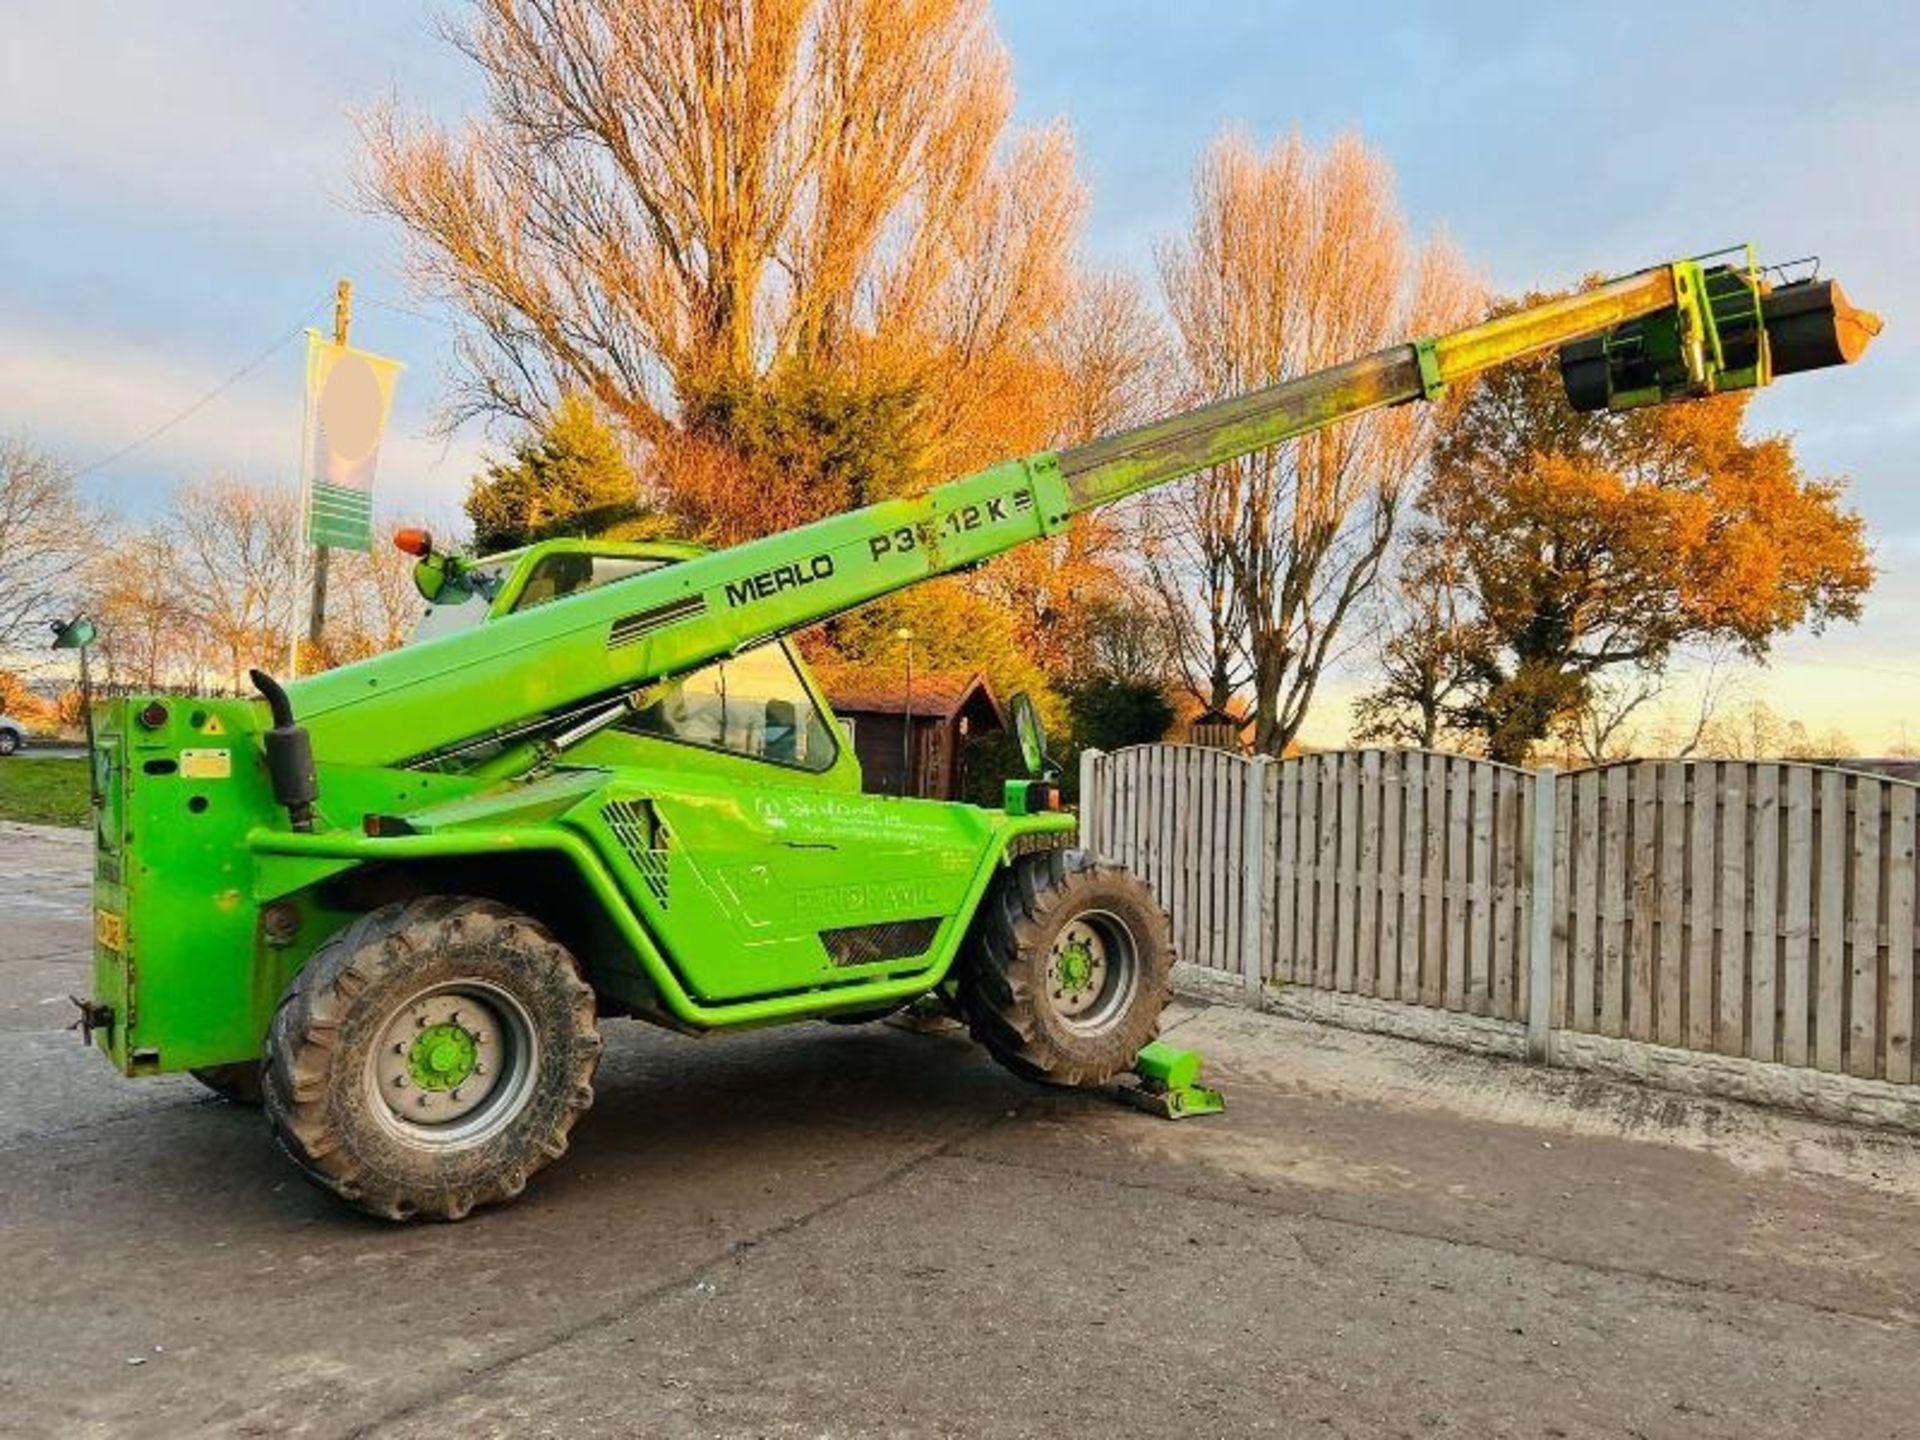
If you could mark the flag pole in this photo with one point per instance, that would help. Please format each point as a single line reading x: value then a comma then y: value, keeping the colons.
x: 317, y: 615
x: 298, y: 588
x: 349, y: 398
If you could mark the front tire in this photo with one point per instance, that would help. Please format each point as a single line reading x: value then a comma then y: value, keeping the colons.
x: 1070, y: 964
x: 9, y: 742
x: 431, y: 1057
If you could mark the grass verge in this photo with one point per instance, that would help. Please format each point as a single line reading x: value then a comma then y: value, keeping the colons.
x: 44, y: 792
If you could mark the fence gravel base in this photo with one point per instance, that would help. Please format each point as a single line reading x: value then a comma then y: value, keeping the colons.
x: 1840, y: 1098
x: 1744, y: 929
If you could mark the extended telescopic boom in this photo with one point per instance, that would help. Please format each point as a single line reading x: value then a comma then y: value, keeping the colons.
x: 1686, y: 329
x: 1117, y: 466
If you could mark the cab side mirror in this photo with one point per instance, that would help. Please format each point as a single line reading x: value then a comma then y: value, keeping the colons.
x: 1030, y: 732
x: 430, y: 577
x: 430, y: 567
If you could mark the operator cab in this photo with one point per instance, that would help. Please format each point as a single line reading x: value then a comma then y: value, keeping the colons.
x: 461, y: 593
x: 756, y: 704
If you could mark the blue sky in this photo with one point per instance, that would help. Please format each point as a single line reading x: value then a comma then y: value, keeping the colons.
x: 178, y: 195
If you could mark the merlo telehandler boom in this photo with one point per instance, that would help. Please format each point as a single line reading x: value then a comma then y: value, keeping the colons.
x: 397, y: 896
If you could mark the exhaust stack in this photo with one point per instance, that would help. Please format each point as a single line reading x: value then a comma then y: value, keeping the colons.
x: 289, y: 749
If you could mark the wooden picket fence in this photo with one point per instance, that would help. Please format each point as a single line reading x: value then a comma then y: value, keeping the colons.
x: 1764, y: 910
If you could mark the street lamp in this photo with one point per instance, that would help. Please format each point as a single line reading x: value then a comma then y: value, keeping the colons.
x: 905, y: 636
x: 77, y: 634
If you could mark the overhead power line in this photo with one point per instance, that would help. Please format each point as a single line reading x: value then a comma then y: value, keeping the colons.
x: 200, y: 404
x: 407, y: 310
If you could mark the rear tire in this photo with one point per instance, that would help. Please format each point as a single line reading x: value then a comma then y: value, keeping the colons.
x: 1069, y: 965
x: 431, y: 1057
x: 9, y: 742
x: 237, y: 1084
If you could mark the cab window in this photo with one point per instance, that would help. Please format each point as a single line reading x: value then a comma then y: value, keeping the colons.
x: 569, y: 572
x: 752, y: 704
x: 463, y: 603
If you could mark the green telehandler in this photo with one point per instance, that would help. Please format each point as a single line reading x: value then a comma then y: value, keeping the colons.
x: 395, y: 899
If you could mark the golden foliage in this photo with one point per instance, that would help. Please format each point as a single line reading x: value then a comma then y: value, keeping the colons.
x: 679, y: 207
x: 1587, y: 543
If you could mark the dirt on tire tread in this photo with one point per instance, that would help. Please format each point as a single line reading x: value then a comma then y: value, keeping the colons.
x: 1003, y: 981
x: 312, y: 1111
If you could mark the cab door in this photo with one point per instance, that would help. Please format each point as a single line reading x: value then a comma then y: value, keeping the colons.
x: 758, y: 863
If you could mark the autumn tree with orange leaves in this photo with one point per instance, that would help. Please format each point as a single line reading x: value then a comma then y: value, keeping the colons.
x: 797, y: 254
x: 793, y: 247
x: 1591, y: 545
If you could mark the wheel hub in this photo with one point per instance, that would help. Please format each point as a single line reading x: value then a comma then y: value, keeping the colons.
x: 441, y: 1056
x: 1076, y: 968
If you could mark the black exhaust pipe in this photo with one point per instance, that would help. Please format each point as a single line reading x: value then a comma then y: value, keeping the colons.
x: 296, y: 785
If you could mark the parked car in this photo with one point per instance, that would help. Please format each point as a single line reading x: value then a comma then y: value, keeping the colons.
x: 13, y: 735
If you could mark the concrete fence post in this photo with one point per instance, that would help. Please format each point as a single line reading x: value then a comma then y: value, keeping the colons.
x: 1254, y: 860
x: 1090, y: 836
x: 1540, y: 996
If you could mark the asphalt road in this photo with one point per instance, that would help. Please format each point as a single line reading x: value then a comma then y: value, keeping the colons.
x: 827, y: 1231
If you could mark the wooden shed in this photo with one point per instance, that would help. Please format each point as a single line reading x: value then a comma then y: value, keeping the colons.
x: 943, y: 708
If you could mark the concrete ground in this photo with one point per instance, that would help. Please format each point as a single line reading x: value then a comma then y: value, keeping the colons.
x: 832, y: 1231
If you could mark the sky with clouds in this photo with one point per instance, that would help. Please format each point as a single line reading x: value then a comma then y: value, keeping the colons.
x: 179, y: 196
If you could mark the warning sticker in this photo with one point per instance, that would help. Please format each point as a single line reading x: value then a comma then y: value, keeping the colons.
x: 206, y: 764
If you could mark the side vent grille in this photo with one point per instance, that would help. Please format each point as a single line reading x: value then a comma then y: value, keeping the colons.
x: 871, y: 944
x: 631, y: 629
x: 644, y: 836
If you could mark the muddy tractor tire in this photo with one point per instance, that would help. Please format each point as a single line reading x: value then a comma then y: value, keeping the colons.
x: 1068, y: 967
x: 431, y: 1057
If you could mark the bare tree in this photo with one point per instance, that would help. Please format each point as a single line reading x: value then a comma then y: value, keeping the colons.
x: 1753, y: 731
x: 46, y: 529
x: 1602, y: 728
x: 1107, y: 370
x: 1756, y: 731
x: 236, y: 543
x: 204, y: 592
x: 1294, y: 259
x: 147, y: 628
x: 1425, y: 641
x: 1186, y: 547
x: 667, y: 199
x: 377, y: 604
x: 1112, y: 366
